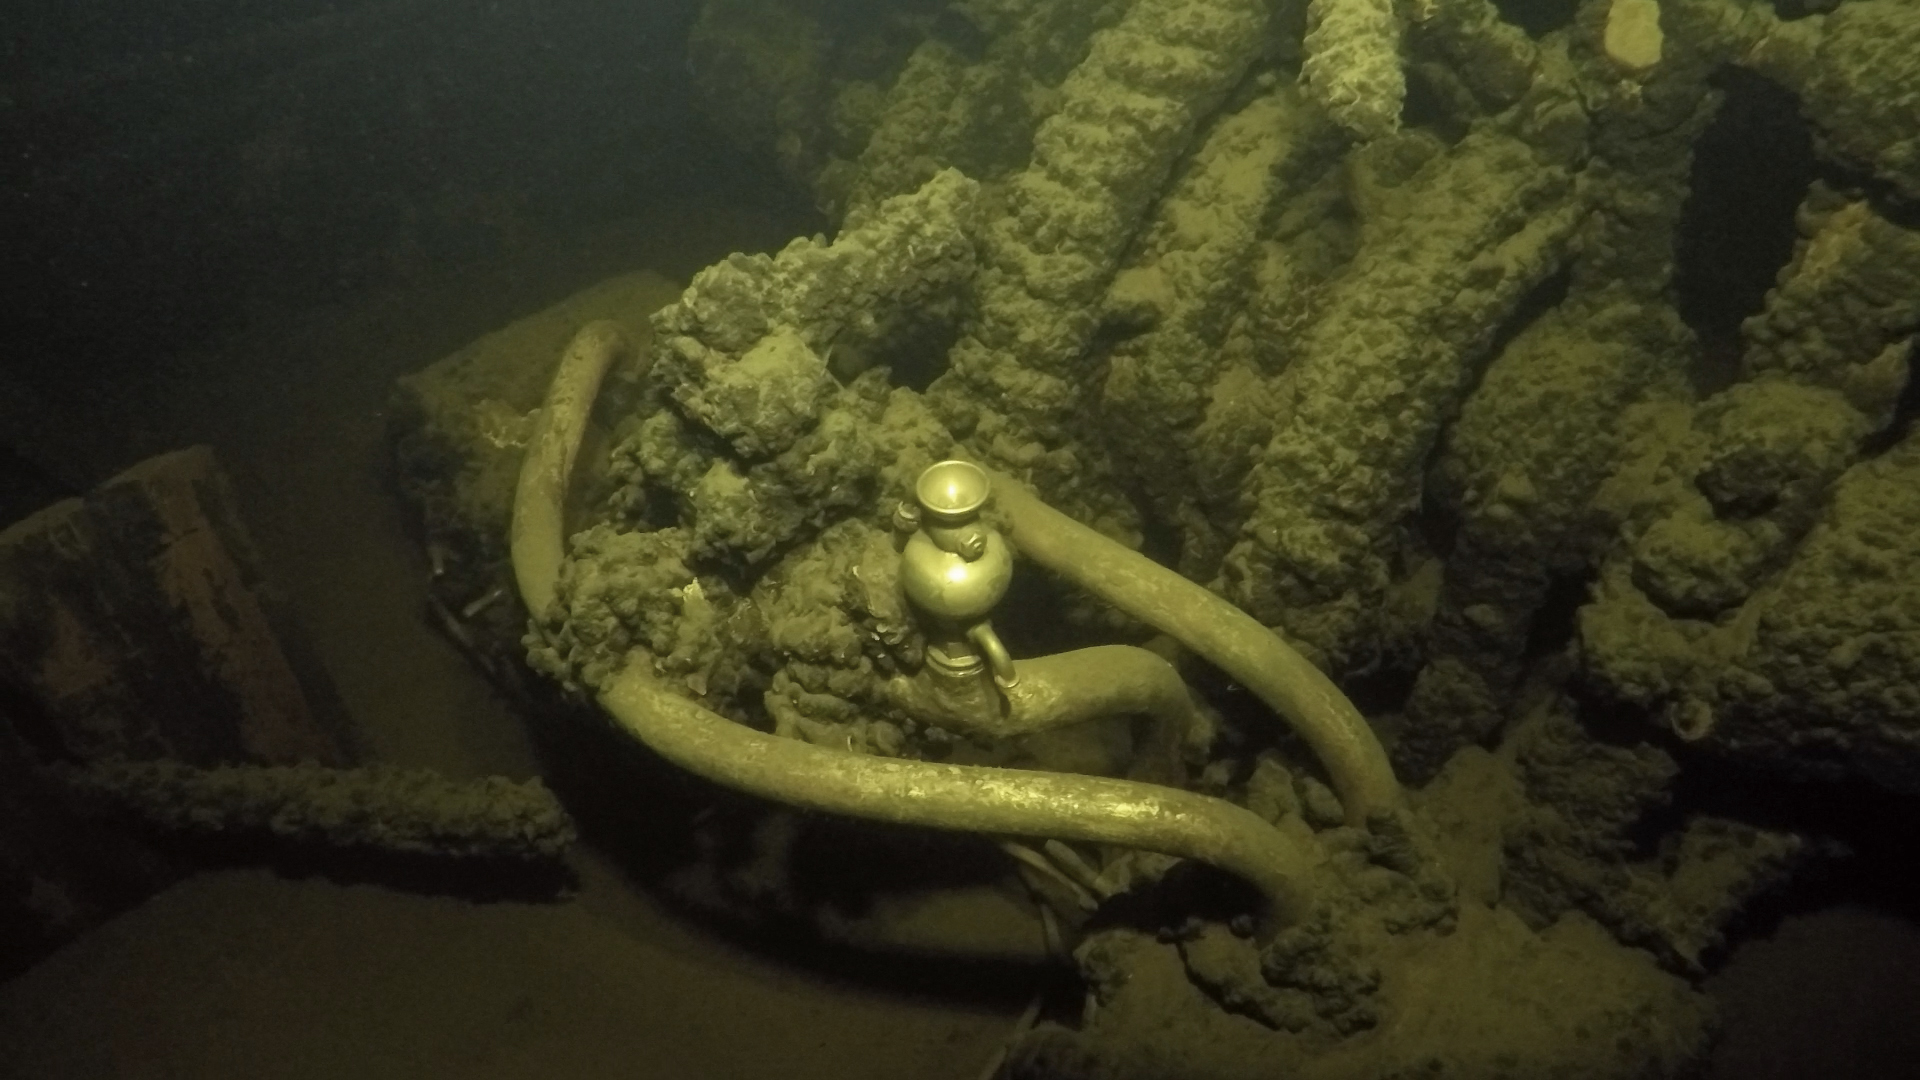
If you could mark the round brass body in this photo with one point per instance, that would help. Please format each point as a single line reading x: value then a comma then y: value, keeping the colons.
x: 948, y: 586
x: 952, y: 491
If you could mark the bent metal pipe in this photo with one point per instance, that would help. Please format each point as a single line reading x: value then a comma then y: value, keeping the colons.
x: 967, y: 798
x: 1232, y: 640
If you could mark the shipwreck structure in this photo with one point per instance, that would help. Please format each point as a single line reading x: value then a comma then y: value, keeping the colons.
x: 1174, y: 364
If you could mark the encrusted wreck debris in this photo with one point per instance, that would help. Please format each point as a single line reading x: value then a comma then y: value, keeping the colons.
x: 1360, y: 315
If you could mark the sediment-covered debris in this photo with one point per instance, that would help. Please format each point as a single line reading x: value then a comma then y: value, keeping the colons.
x: 1362, y: 316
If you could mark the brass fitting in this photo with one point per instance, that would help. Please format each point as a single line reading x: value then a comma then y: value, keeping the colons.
x: 955, y: 568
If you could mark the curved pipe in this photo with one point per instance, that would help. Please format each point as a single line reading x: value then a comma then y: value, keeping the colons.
x: 538, y: 535
x: 970, y: 798
x: 1104, y: 680
x: 958, y: 797
x: 1231, y: 639
x: 1057, y: 691
x: 1109, y: 680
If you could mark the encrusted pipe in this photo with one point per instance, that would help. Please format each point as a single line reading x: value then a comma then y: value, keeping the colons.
x: 380, y: 808
x: 1109, y: 680
x: 966, y: 798
x: 1059, y: 691
x: 1231, y: 639
x: 969, y: 798
x: 538, y: 535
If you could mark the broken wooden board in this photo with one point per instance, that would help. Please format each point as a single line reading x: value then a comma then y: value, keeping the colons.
x: 135, y: 622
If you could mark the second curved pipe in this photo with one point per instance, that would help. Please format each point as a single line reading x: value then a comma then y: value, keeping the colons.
x: 1231, y: 639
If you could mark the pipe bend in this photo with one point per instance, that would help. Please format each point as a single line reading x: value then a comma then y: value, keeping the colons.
x: 1231, y: 639
x: 966, y: 798
x: 537, y: 536
x: 1054, y: 691
x: 999, y: 660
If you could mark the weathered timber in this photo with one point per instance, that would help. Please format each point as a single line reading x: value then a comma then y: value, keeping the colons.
x: 135, y: 622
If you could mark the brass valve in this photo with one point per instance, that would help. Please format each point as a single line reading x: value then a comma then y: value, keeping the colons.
x: 955, y: 568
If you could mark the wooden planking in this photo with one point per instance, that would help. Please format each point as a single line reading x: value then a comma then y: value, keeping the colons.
x: 135, y: 622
